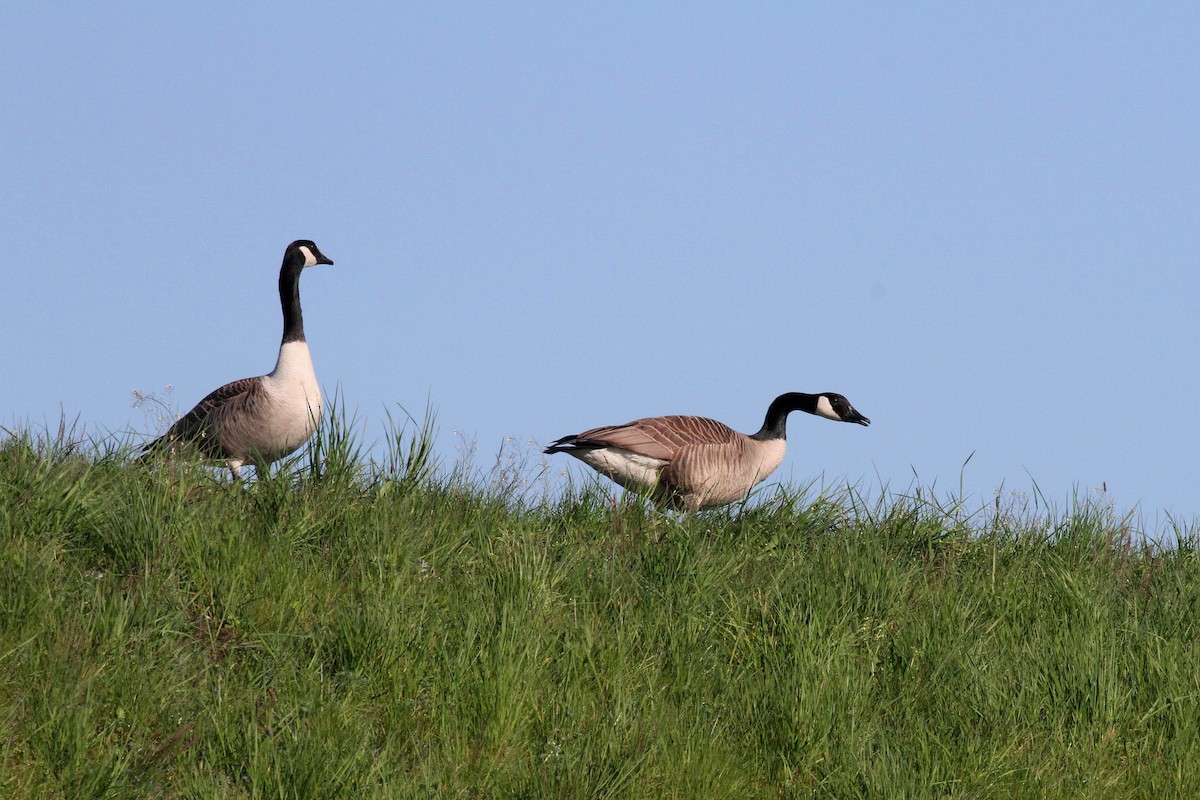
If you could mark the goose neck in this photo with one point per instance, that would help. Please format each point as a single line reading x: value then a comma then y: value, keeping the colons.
x: 775, y: 424
x: 289, y: 299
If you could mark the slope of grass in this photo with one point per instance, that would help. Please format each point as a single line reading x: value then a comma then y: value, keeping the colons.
x: 350, y: 629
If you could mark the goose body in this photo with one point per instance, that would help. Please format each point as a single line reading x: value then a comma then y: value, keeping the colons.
x: 260, y: 420
x: 690, y: 463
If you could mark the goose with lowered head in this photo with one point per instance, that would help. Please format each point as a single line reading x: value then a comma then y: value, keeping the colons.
x: 692, y: 463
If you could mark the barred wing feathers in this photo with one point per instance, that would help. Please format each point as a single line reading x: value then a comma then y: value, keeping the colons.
x: 195, y: 427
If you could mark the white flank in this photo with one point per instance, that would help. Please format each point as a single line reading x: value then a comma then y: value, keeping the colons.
x: 627, y: 468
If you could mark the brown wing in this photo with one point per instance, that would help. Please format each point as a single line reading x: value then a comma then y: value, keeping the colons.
x: 659, y: 437
x: 195, y: 427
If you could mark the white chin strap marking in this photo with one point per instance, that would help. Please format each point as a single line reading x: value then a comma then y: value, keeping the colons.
x: 309, y: 259
x: 825, y: 409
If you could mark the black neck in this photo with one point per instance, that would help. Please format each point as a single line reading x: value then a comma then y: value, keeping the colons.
x: 775, y: 424
x: 289, y: 298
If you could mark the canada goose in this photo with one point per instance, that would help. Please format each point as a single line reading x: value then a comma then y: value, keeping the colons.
x: 260, y: 420
x: 691, y: 463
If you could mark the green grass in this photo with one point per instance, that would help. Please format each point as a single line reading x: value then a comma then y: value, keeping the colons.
x: 354, y: 629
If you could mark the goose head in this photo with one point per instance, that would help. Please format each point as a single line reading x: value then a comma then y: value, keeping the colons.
x: 834, y: 406
x: 304, y: 253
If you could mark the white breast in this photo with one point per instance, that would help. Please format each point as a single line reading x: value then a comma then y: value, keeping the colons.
x: 770, y: 456
x: 295, y: 396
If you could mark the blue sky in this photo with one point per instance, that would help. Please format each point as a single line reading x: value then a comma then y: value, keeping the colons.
x: 979, y: 222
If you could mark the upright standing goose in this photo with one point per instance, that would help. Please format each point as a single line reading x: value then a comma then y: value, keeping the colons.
x: 260, y: 420
x: 690, y: 463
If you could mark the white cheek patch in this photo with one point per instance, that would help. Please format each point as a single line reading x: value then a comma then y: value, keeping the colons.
x: 825, y: 409
x: 309, y: 259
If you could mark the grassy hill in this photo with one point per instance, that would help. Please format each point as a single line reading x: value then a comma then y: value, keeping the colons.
x: 360, y: 630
